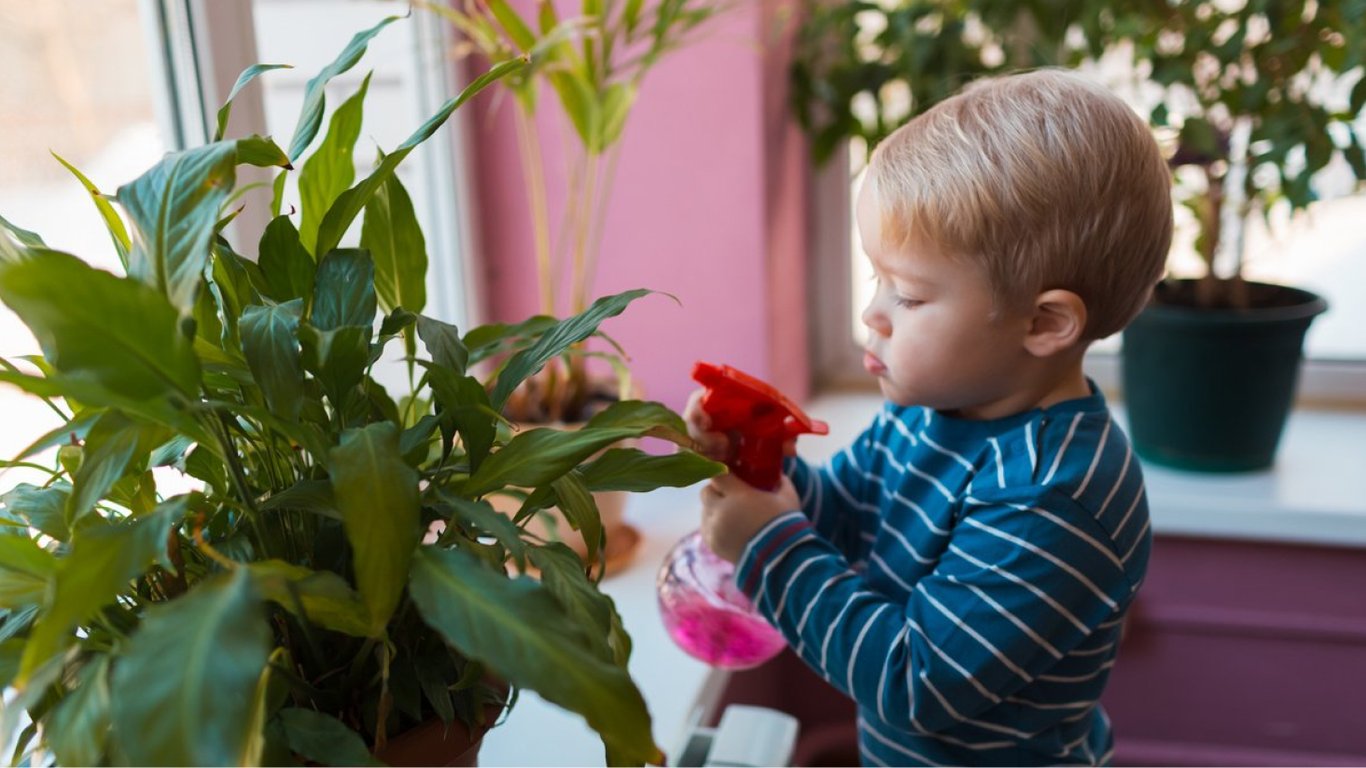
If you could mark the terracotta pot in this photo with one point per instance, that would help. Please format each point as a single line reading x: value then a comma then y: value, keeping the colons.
x: 435, y: 743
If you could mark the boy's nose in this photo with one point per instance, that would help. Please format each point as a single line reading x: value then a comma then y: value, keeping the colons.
x: 875, y: 319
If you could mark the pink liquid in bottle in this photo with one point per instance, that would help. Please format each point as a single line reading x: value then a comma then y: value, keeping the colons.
x: 706, y: 614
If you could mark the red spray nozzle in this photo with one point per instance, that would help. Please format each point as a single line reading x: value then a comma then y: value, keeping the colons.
x: 761, y: 416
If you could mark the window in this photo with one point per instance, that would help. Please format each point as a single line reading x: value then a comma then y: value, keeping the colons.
x: 111, y: 86
x: 1320, y: 250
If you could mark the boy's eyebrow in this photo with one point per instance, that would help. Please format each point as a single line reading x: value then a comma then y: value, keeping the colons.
x: 899, y: 271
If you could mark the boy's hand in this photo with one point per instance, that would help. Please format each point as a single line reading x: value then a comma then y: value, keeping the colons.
x: 717, y: 446
x: 733, y: 511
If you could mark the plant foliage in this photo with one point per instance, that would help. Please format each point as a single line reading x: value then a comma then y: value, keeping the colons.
x: 337, y: 574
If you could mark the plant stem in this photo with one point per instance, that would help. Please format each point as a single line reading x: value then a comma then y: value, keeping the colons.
x: 533, y: 175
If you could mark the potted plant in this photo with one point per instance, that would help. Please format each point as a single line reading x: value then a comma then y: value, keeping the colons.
x: 1209, y: 367
x: 331, y: 574
x: 587, y: 69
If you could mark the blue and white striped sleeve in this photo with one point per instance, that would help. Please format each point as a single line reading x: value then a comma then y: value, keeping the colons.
x: 839, y: 497
x: 1018, y: 587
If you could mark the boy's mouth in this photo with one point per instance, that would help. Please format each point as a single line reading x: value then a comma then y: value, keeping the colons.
x: 873, y: 364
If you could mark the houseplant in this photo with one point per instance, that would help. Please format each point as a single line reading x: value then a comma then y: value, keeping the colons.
x: 584, y: 71
x: 1210, y: 366
x: 335, y: 574
x: 1233, y: 86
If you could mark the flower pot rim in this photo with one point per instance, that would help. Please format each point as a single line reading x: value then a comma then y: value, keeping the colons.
x: 1308, y: 306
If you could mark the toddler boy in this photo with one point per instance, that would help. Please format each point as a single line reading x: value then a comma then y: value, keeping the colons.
x: 963, y: 568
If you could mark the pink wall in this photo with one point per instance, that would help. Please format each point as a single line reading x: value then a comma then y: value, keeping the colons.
x: 707, y: 206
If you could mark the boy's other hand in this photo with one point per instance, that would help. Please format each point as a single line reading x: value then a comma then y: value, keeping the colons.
x: 733, y: 511
x: 717, y: 446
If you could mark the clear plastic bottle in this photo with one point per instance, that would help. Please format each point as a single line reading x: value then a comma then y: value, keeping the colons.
x: 706, y: 614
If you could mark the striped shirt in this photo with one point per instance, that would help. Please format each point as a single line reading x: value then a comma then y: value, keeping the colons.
x: 963, y: 581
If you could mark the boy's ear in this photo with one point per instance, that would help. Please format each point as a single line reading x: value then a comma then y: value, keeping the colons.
x: 1058, y: 322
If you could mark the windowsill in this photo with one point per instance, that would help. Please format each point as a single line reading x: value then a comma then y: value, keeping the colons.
x: 1306, y: 497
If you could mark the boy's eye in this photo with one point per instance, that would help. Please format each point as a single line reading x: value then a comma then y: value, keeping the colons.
x: 902, y: 301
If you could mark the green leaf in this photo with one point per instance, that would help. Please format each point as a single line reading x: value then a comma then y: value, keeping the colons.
x: 579, y: 509
x: 323, y: 739
x: 344, y: 291
x: 306, y: 495
x: 10, y: 650
x: 78, y: 728
x: 350, y: 203
x: 481, y: 516
x: 337, y: 358
x: 286, y: 265
x: 26, y: 238
x: 262, y: 152
x: 329, y: 171
x: 117, y: 231
x: 559, y: 338
x: 174, y: 207
x: 182, y: 692
x: 248, y: 74
x: 311, y: 115
x: 465, y: 409
x: 25, y: 569
x: 631, y: 469
x: 517, y: 30
x: 617, y: 103
x: 107, y: 453
x: 443, y: 343
x: 166, y: 411
x: 270, y: 341
x: 377, y: 496
x: 562, y: 573
x: 104, y: 558
x: 500, y: 623
x: 538, y: 456
x: 98, y: 328
x: 490, y: 339
x: 394, y: 238
x: 318, y: 597
x: 43, y: 508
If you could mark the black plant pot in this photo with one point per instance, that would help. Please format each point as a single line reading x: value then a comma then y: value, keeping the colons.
x: 1210, y: 389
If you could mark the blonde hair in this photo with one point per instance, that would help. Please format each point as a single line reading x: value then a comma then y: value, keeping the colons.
x: 1045, y: 180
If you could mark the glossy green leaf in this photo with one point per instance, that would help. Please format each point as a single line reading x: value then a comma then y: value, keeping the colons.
x: 337, y: 358
x: 331, y: 168
x: 43, y: 508
x: 562, y: 573
x: 645, y: 415
x: 538, y: 456
x: 517, y: 30
x: 93, y: 326
x: 306, y: 495
x: 288, y: 268
x: 556, y: 340
x: 319, y: 597
x: 443, y: 344
x: 480, y: 516
x: 311, y: 115
x: 376, y: 494
x: 270, y: 342
x: 391, y: 233
x: 497, y: 621
x: 465, y: 409
x: 579, y: 508
x: 23, y: 236
x: 493, y: 338
x: 107, y: 453
x: 118, y: 233
x: 182, y: 692
x: 631, y: 469
x: 323, y: 739
x: 344, y: 291
x: 10, y: 651
x: 248, y: 74
x: 78, y: 728
x: 104, y: 558
x: 25, y: 569
x: 174, y: 207
x: 262, y: 152
x: 616, y: 107
x: 350, y: 203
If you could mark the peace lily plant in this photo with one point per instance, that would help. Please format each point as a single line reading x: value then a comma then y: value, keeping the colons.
x: 339, y: 574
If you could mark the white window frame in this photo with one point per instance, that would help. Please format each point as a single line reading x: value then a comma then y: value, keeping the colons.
x: 837, y: 360
x: 201, y: 47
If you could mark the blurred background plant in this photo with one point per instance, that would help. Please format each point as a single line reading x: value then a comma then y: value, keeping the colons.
x: 589, y: 67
